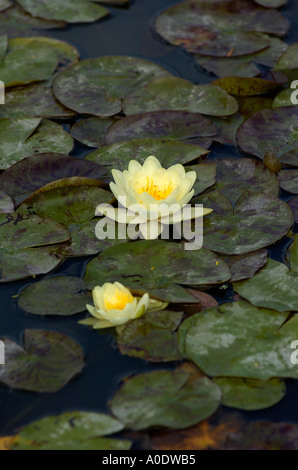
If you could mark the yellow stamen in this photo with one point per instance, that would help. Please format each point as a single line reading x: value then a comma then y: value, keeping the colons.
x: 117, y: 301
x: 154, y: 190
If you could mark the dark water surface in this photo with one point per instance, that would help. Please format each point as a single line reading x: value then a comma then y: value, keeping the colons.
x: 125, y: 32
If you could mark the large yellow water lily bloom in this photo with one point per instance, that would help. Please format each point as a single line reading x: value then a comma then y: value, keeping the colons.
x: 115, y: 305
x: 154, y: 192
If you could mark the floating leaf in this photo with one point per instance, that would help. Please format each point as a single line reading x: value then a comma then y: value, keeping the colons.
x: 32, y: 173
x: 16, y: 15
x: 250, y: 394
x: 46, y: 363
x: 228, y: 66
x: 275, y: 286
x: 6, y: 203
x: 168, y: 153
x: 247, y: 86
x: 97, y: 86
x: 206, y: 176
x: 293, y: 203
x: 178, y: 94
x: 91, y: 131
x: 165, y: 398
x: 151, y: 337
x: 171, y: 264
x: 283, y: 98
x: 288, y: 62
x: 239, y: 340
x: 256, y: 221
x: 3, y: 46
x: 4, y: 4
x: 70, y: 431
x: 271, y: 3
x: 72, y: 11
x: 172, y: 125
x: 288, y: 180
x: 245, y: 266
x: 62, y: 295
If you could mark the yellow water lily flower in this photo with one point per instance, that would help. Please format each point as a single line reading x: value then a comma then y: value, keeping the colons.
x: 156, y: 194
x: 115, y: 305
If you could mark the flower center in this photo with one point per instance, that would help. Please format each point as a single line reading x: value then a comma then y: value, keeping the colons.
x: 118, y: 300
x: 155, y: 190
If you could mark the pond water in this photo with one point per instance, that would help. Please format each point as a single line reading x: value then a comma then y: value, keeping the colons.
x: 127, y: 32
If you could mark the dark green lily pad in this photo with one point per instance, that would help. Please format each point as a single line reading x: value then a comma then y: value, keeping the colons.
x: 4, y: 4
x: 76, y: 430
x: 32, y: 173
x: 97, y: 86
x: 269, y: 129
x: 178, y: 94
x: 168, y: 153
x: 165, y: 398
x: 247, y: 86
x: 28, y: 63
x: 158, y: 267
x: 250, y: 394
x: 91, y: 131
x: 271, y: 3
x: 283, y: 98
x: 240, y: 340
x: 245, y: 266
x: 206, y: 176
x: 292, y: 255
x: 288, y: 180
x: 32, y: 101
x: 288, y: 62
x: 272, y: 53
x: 6, y: 203
x: 293, y: 203
x: 170, y: 125
x: 45, y: 364
x: 3, y: 46
x: 256, y: 221
x: 71, y: 11
x: 274, y: 286
x: 22, y: 137
x: 69, y: 204
x: 264, y: 436
x: 220, y: 28
x: 62, y: 295
x: 227, y: 66
x: 152, y: 337
x: 15, y: 14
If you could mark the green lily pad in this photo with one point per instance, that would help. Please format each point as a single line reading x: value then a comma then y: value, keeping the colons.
x: 152, y: 337
x: 263, y: 435
x: 45, y: 364
x: 228, y: 66
x: 32, y: 173
x: 62, y: 295
x: 16, y: 15
x: 269, y: 129
x: 28, y: 63
x: 3, y: 46
x: 206, y: 176
x: 250, y: 394
x: 292, y: 255
x: 274, y: 286
x: 288, y: 62
x: 220, y: 28
x: 69, y: 204
x: 91, y: 131
x: 165, y: 398
x: 247, y: 86
x: 168, y: 153
x: 293, y: 203
x: 245, y: 266
x: 158, y: 268
x: 288, y: 180
x: 6, y: 203
x: 97, y: 86
x: 283, y: 98
x: 22, y: 137
x: 4, y: 4
x: 76, y: 430
x: 71, y: 11
x: 271, y: 3
x: 178, y: 94
x: 32, y: 101
x: 170, y: 125
x: 256, y: 221
x: 240, y: 340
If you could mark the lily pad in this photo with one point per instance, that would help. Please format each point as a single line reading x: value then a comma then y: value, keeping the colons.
x: 240, y: 340
x: 165, y: 398
x: 45, y: 364
x: 97, y: 86
x: 256, y: 221
x: 16, y: 15
x: 158, y: 267
x: 168, y: 153
x: 271, y: 3
x: 3, y: 46
x: 178, y: 94
x: 288, y: 180
x: 206, y: 176
x: 263, y: 435
x: 32, y: 173
x: 269, y: 129
x: 227, y: 66
x: 283, y: 98
x: 4, y: 4
x: 152, y: 337
x: 220, y: 28
x: 288, y: 62
x: 247, y: 86
x: 69, y: 204
x: 274, y: 286
x: 170, y: 125
x: 6, y: 203
x: 245, y: 266
x: 293, y: 203
x: 250, y: 394
x: 71, y: 11
x: 91, y: 131
x: 23, y: 137
x: 76, y: 430
x: 62, y: 295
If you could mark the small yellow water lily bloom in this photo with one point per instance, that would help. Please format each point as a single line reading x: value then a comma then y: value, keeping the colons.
x: 115, y: 305
x: 156, y: 194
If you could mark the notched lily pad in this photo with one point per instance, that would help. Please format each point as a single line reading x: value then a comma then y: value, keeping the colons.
x: 45, y: 364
